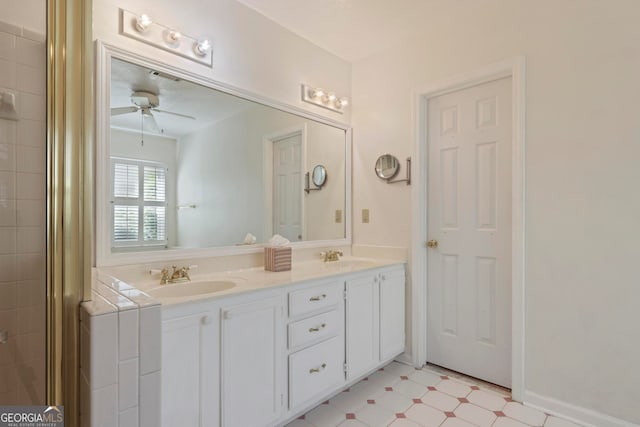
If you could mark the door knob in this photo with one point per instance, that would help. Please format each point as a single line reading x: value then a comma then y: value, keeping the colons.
x: 432, y: 244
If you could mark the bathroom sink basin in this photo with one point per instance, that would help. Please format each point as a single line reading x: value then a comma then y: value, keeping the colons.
x: 189, y: 289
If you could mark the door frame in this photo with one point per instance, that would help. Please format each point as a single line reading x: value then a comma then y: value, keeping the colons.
x: 514, y: 68
x: 267, y: 177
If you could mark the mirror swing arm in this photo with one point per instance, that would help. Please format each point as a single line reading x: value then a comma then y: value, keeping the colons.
x: 307, y: 187
x: 319, y: 179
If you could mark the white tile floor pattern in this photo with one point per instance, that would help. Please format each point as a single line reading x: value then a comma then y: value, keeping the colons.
x: 402, y: 396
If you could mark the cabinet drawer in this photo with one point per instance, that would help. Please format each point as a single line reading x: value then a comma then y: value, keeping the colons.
x: 315, y: 370
x: 315, y: 298
x: 315, y: 328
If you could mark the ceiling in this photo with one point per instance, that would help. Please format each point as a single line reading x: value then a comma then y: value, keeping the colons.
x: 206, y: 105
x: 350, y: 29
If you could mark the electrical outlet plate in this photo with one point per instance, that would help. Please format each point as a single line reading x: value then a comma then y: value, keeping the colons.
x: 365, y: 216
x: 338, y: 216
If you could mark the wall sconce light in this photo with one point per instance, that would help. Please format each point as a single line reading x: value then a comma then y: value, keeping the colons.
x: 142, y: 28
x: 321, y: 98
x: 143, y: 22
x: 172, y: 37
x: 202, y: 47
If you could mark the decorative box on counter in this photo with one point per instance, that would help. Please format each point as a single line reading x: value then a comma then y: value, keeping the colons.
x: 277, y: 258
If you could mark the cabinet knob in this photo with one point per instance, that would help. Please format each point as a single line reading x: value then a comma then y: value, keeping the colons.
x: 383, y: 277
x: 205, y: 320
x: 227, y: 315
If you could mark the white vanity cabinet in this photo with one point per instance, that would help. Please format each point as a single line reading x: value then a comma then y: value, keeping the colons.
x: 375, y: 307
x: 189, y: 368
x: 316, y: 341
x: 252, y: 363
x: 258, y: 359
x: 362, y: 316
x: 392, y: 312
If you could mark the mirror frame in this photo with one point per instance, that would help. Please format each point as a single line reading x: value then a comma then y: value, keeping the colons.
x: 324, y: 176
x: 103, y: 255
x: 378, y: 169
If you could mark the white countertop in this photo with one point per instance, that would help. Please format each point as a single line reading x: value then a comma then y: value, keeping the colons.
x: 245, y: 280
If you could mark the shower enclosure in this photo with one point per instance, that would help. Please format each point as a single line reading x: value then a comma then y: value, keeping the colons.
x: 22, y: 203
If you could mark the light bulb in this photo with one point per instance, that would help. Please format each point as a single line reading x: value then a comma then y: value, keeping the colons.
x: 202, y: 47
x: 316, y: 93
x: 173, y: 37
x: 342, y: 102
x: 143, y: 22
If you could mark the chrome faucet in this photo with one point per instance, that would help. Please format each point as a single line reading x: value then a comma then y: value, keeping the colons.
x: 331, y: 255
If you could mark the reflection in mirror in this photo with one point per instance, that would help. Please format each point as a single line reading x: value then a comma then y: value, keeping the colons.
x: 193, y: 167
x: 319, y: 175
x: 387, y: 166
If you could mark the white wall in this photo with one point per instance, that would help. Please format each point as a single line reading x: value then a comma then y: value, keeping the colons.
x: 582, y: 174
x: 155, y: 149
x: 221, y: 171
x: 250, y: 51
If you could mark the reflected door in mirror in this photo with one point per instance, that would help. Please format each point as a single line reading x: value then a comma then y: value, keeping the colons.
x: 287, y: 187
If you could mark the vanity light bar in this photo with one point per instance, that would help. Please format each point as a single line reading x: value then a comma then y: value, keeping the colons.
x: 143, y: 28
x: 324, y: 99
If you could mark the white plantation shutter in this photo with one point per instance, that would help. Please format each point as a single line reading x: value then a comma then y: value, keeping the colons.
x: 139, y: 203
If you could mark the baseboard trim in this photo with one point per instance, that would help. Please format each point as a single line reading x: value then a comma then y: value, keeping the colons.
x: 574, y: 413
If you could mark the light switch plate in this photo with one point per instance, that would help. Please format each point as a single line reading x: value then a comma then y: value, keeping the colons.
x: 365, y: 216
x: 338, y: 216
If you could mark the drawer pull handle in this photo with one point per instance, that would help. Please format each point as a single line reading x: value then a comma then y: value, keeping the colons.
x: 318, y: 298
x: 317, y: 328
x: 316, y: 370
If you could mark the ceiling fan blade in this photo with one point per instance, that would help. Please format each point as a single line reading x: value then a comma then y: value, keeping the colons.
x: 150, y: 123
x: 123, y: 110
x: 174, y: 114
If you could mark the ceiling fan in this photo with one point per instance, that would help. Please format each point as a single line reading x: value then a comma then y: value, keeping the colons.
x: 146, y: 103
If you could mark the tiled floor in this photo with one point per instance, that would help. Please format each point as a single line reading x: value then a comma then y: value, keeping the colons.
x: 401, y: 396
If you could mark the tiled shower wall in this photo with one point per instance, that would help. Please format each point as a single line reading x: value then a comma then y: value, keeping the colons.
x: 22, y: 217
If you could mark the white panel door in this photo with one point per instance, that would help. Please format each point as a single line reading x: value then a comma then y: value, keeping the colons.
x: 287, y: 187
x: 253, y: 363
x: 469, y: 215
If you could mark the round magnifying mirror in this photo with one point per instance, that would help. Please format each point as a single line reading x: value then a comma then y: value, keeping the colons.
x: 319, y: 176
x: 387, y: 166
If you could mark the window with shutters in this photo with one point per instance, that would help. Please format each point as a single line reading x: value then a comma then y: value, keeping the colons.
x: 139, y: 203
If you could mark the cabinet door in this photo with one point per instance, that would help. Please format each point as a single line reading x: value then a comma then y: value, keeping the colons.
x: 189, y: 371
x: 392, y: 305
x: 253, y: 363
x: 362, y: 307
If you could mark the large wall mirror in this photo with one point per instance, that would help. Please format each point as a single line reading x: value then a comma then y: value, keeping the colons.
x: 186, y: 168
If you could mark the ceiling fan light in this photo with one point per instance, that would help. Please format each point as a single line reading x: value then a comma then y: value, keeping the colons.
x: 143, y: 22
